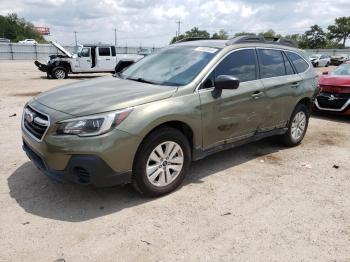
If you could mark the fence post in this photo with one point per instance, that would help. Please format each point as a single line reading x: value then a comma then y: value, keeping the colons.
x: 11, y: 51
x: 36, y: 51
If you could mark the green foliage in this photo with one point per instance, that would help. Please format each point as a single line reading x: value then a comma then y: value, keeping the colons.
x: 195, y: 32
x: 16, y: 29
x: 340, y: 31
x: 243, y: 33
x: 270, y: 34
x: 316, y: 37
x: 222, y: 34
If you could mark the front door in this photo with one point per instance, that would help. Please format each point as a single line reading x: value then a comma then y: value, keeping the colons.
x: 85, y: 59
x: 236, y: 114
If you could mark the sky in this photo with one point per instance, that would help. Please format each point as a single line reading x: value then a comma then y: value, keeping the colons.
x: 153, y: 23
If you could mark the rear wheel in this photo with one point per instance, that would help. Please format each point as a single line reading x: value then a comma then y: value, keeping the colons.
x: 297, y: 126
x: 161, y: 162
x: 59, y: 73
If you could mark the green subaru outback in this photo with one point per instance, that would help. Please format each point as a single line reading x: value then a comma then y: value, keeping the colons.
x: 146, y: 124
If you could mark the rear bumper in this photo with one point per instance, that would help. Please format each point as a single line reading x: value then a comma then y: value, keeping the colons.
x: 81, y: 169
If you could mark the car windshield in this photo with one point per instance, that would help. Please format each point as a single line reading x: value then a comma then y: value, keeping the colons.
x: 174, y: 66
x: 341, y: 70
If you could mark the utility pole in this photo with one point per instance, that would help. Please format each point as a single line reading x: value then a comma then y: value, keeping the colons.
x: 115, y: 36
x: 178, y: 29
x: 75, y: 37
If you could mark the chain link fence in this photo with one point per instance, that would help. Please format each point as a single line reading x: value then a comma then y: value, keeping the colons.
x: 15, y: 51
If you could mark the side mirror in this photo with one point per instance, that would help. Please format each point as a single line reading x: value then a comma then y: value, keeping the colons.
x: 325, y: 73
x: 224, y: 82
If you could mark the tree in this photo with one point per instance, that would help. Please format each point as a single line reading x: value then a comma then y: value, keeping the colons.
x: 14, y: 28
x: 243, y: 33
x: 222, y: 34
x: 270, y: 34
x: 195, y: 32
x: 340, y: 31
x: 316, y: 37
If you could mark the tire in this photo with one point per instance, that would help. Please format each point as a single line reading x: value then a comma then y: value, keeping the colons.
x: 297, y: 126
x: 152, y: 173
x: 327, y: 64
x: 316, y: 65
x: 59, y: 73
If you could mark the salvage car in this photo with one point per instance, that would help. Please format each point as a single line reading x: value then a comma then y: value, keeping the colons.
x: 191, y: 99
x: 335, y: 91
x: 320, y: 60
x: 339, y: 59
x: 28, y: 42
x: 88, y: 59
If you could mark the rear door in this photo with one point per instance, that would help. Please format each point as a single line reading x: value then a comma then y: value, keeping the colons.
x: 105, y: 60
x: 281, y: 83
x: 236, y: 114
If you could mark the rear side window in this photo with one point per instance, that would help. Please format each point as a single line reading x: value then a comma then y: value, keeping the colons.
x: 240, y: 64
x: 271, y: 63
x: 298, y: 62
x: 104, y: 51
x: 288, y: 66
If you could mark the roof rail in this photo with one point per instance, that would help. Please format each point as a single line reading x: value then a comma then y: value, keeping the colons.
x: 188, y: 39
x: 261, y: 39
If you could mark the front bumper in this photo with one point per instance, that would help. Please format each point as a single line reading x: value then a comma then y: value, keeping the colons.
x: 81, y: 169
x: 41, y: 66
x: 333, y: 103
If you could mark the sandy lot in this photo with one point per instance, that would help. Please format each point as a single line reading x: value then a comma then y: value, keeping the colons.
x: 259, y: 202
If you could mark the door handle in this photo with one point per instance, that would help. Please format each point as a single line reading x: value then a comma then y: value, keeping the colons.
x: 257, y: 94
x: 88, y: 61
x: 295, y: 85
x: 108, y: 59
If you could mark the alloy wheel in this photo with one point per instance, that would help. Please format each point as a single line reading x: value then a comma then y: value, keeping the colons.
x: 164, y: 164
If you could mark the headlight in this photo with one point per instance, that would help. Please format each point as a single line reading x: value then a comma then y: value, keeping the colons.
x: 93, y: 125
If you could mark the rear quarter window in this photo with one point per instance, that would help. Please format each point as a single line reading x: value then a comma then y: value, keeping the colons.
x: 299, y: 63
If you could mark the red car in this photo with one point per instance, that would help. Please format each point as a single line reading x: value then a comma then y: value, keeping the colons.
x: 334, y: 96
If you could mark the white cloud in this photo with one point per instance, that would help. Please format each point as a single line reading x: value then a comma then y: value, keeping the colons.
x: 152, y: 22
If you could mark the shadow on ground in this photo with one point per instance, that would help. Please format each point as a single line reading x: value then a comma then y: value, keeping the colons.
x: 79, y: 77
x: 41, y: 196
x: 331, y: 117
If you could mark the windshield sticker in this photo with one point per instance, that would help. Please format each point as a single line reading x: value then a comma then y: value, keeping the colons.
x: 206, y: 49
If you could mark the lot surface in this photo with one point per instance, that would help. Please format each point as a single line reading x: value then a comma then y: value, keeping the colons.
x: 259, y: 202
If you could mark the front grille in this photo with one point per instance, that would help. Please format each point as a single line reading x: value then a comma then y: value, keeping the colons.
x: 332, y: 101
x: 35, y: 123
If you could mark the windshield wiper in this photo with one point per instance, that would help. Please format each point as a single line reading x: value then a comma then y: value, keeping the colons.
x: 142, y: 80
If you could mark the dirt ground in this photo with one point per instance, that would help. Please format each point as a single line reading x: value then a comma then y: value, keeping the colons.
x: 259, y: 202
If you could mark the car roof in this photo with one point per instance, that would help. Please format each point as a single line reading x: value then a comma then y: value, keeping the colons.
x: 241, y: 41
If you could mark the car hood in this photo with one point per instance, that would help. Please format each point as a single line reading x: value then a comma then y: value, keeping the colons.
x: 101, y: 95
x: 332, y: 80
x: 59, y: 47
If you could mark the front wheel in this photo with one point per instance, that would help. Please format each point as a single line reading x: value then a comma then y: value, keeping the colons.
x: 161, y: 162
x: 59, y: 73
x: 297, y: 126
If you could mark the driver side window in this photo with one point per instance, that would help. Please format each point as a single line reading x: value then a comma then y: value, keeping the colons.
x: 240, y: 64
x: 85, y: 52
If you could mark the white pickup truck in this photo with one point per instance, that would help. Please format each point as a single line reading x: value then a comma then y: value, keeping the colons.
x: 88, y: 59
